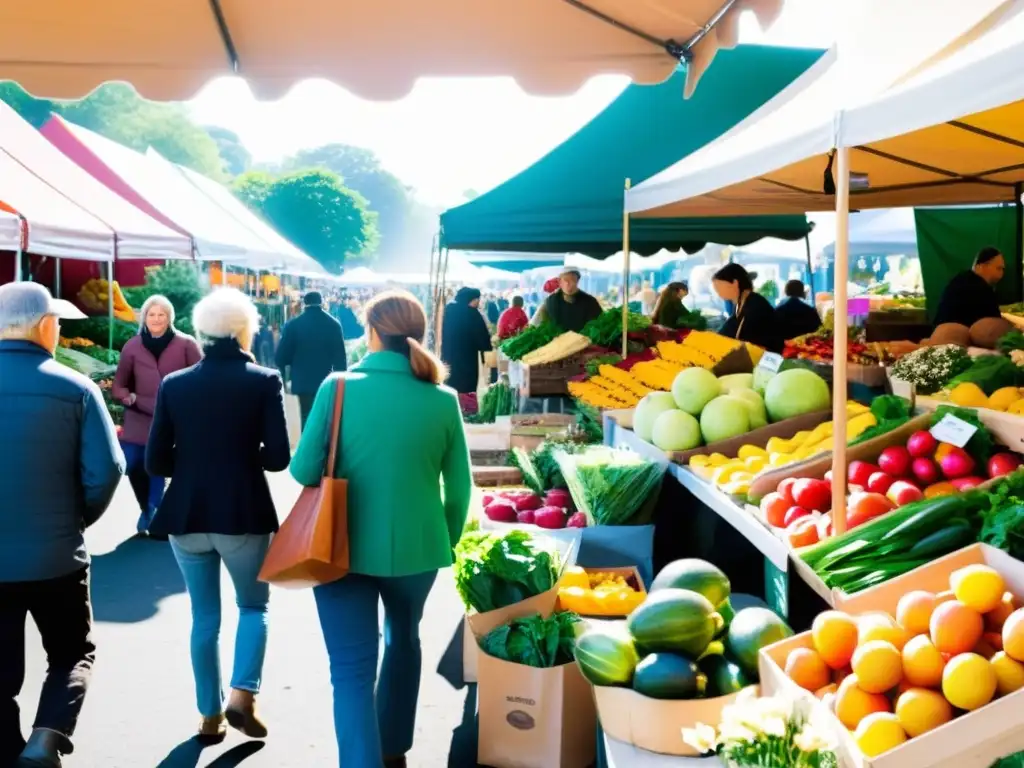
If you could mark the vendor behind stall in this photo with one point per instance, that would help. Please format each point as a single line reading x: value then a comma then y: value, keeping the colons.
x: 569, y: 308
x: 669, y: 309
x: 794, y: 315
x: 970, y: 295
x: 753, y: 318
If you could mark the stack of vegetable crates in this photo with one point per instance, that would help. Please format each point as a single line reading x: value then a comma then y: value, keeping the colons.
x: 551, y: 378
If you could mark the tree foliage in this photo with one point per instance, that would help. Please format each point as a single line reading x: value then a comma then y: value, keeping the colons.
x: 237, y: 158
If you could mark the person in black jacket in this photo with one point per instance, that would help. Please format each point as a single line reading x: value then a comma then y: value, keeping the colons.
x: 218, y: 428
x: 753, y: 317
x: 464, y: 339
x: 971, y: 296
x: 312, y: 347
x: 794, y: 316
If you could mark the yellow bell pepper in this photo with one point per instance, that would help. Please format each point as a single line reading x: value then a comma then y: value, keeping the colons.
x: 575, y: 576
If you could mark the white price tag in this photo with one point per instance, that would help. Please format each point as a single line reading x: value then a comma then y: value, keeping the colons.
x: 954, y: 431
x: 770, y: 361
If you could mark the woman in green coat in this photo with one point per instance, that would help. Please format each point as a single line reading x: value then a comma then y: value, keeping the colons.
x: 401, y: 436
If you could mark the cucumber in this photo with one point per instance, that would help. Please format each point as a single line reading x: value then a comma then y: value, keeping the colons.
x: 943, y: 541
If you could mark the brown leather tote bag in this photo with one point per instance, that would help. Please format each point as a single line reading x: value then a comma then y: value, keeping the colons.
x: 311, y: 548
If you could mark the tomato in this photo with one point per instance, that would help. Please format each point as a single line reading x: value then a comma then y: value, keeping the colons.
x: 774, y: 508
x: 803, y: 533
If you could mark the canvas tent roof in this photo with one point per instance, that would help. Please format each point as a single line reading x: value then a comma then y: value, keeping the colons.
x: 864, y: 91
x: 10, y: 231
x: 169, y: 49
x: 571, y: 199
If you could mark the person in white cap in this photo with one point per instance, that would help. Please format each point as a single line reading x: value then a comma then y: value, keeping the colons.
x: 60, y: 464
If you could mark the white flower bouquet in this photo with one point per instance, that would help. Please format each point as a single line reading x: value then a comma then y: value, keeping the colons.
x: 769, y: 732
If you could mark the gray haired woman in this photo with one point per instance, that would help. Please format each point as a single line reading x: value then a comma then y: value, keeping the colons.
x: 146, y: 359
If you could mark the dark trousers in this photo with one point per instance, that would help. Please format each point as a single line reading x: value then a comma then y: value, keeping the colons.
x: 305, y: 407
x: 62, y: 612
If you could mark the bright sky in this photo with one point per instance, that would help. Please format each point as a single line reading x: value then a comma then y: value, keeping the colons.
x: 454, y: 134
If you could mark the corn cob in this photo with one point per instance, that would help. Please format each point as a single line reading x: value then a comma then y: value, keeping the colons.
x: 656, y: 374
x: 596, y: 396
x: 623, y: 378
x: 711, y: 344
x: 563, y: 346
x: 678, y: 353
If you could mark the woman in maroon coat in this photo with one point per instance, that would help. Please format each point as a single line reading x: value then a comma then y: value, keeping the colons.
x: 158, y: 350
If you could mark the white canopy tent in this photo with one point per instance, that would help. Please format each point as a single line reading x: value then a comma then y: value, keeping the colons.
x: 359, y: 277
x: 10, y: 231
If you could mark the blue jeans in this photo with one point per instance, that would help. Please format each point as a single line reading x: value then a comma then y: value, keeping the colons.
x: 135, y: 459
x: 368, y: 727
x: 199, y: 556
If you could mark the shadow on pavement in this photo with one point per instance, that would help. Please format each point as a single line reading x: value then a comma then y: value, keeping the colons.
x: 128, y: 583
x: 464, y: 738
x: 188, y: 753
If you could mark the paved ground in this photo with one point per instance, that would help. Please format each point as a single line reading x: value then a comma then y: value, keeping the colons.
x: 140, y: 712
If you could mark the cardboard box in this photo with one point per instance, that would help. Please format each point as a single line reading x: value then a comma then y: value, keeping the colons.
x: 534, y: 718
x: 1007, y: 428
x: 629, y: 572
x: 759, y: 437
x: 655, y: 725
x: 973, y: 740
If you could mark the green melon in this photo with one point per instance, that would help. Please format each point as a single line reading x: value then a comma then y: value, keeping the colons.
x: 675, y: 621
x: 725, y: 676
x: 606, y: 656
x: 669, y: 676
x: 751, y: 630
x: 698, y: 576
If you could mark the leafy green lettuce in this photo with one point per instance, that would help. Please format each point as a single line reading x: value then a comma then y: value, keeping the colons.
x: 535, y: 641
x: 497, y: 570
x: 612, y: 486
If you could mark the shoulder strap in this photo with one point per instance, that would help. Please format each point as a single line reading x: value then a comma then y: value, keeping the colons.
x: 332, y: 450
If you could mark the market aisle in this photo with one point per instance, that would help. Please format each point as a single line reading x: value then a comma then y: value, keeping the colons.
x: 140, y: 712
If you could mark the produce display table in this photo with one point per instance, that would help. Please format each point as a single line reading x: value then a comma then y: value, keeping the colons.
x: 619, y: 755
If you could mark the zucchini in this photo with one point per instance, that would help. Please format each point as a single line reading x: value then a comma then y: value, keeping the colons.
x: 928, y: 516
x: 943, y: 541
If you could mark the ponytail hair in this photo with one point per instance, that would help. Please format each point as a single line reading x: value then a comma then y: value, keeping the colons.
x: 400, y: 323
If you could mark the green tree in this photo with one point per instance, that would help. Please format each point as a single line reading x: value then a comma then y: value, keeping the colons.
x: 252, y: 188
x: 360, y: 170
x: 314, y: 210
x: 237, y: 159
x: 35, y: 111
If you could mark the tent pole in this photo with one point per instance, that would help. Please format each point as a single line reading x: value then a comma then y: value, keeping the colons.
x: 625, y: 274
x: 1018, y: 190
x: 839, y: 343
x: 18, y: 254
x: 57, y: 287
x: 810, y: 267
x: 110, y: 303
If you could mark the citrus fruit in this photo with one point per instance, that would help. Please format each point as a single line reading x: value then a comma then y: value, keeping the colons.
x: 955, y: 628
x: 969, y: 394
x: 922, y: 662
x: 878, y: 666
x: 853, y: 703
x: 1013, y: 635
x: 834, y: 634
x: 879, y: 732
x: 919, y: 710
x: 1003, y: 398
x: 825, y: 690
x: 876, y: 625
x: 978, y: 586
x: 807, y: 669
x: 914, y: 611
x: 1009, y: 673
x: 968, y: 681
x: 995, y: 618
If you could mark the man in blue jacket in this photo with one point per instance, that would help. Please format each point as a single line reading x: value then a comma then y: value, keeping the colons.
x: 60, y: 464
x: 312, y: 347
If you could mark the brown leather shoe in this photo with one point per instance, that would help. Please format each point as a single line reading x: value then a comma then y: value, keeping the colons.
x: 241, y: 714
x: 212, y: 730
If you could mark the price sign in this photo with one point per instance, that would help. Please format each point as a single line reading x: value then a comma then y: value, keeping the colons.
x: 954, y: 431
x: 770, y: 361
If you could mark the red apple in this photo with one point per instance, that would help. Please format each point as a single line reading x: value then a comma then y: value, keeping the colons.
x: 774, y: 509
x: 793, y: 514
x: 785, y: 490
x: 901, y: 493
x: 895, y: 461
x: 1003, y: 464
x: 879, y: 482
x: 922, y: 444
x: 956, y: 463
x: 812, y: 494
x: 860, y: 471
x: 966, y: 483
x: 925, y: 470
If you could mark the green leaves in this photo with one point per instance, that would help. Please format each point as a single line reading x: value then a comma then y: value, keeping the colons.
x: 494, y: 571
x: 534, y: 641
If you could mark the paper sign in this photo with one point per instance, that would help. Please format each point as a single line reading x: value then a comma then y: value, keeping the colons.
x: 954, y: 431
x: 770, y: 361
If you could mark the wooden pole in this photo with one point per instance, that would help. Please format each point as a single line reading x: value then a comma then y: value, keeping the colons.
x: 839, y: 345
x: 625, y: 274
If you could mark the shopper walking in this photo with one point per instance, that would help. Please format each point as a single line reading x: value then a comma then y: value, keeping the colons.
x: 157, y: 350
x: 218, y: 427
x: 312, y: 346
x: 464, y: 339
x: 401, y: 434
x: 60, y: 464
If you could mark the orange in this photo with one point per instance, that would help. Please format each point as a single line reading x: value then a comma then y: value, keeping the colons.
x: 1009, y: 673
x: 920, y: 710
x: 969, y: 681
x: 876, y: 625
x: 914, y: 611
x: 922, y: 663
x: 807, y: 669
x: 853, y: 704
x: 995, y: 618
x: 878, y: 733
x: 878, y: 666
x: 978, y: 586
x: 834, y: 635
x: 955, y: 628
x: 944, y: 597
x: 825, y: 690
x: 1013, y: 635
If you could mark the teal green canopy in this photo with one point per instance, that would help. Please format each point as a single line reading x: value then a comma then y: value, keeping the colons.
x: 571, y: 199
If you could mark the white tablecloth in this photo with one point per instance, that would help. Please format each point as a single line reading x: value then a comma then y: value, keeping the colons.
x: 626, y: 756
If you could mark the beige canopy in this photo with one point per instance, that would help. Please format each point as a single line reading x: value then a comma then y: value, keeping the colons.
x: 169, y: 49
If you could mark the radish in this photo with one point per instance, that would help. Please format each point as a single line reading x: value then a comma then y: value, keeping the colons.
x: 549, y: 517
x: 501, y: 512
x: 925, y: 470
x: 488, y: 499
x: 957, y: 463
x: 895, y: 461
x: 966, y: 483
x: 860, y: 471
x: 879, y: 482
x: 526, y: 516
x: 1003, y: 464
x: 528, y: 501
x: 578, y: 520
x: 922, y: 444
x: 558, y: 497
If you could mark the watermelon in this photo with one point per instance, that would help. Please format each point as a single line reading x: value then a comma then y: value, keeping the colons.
x: 725, y: 676
x: 674, y: 620
x: 751, y: 630
x: 698, y: 576
x: 606, y: 656
x: 669, y: 676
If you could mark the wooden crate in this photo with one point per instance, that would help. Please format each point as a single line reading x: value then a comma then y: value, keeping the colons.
x: 550, y: 379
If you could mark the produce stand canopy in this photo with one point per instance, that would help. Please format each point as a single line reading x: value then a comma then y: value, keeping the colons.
x: 10, y: 230
x: 571, y: 199
x: 169, y: 49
